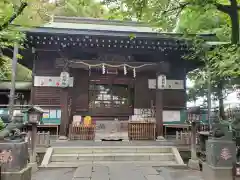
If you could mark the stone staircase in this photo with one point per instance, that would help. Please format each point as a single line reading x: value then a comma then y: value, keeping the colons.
x: 76, y: 156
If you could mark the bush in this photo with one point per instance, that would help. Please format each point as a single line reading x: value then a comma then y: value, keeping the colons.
x: 2, y: 125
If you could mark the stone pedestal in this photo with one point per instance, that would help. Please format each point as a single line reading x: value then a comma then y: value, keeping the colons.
x: 220, y: 156
x: 14, y: 160
x: 62, y: 138
x: 216, y: 173
x: 193, y: 164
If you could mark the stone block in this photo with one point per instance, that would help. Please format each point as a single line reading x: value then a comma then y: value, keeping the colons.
x: 193, y: 164
x: 24, y: 174
x: 34, y: 167
x: 85, y: 157
x: 154, y: 177
x: 220, y: 153
x: 162, y: 157
x: 216, y: 173
x: 14, y: 156
x: 83, y: 172
x: 100, y: 176
x: 148, y: 171
x: 100, y: 168
x: 102, y: 157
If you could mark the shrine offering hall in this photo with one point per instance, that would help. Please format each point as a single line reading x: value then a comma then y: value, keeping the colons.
x: 110, y: 70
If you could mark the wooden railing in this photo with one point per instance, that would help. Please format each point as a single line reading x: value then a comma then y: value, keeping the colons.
x: 183, y: 137
x: 82, y: 132
x: 141, y: 130
x: 42, y: 139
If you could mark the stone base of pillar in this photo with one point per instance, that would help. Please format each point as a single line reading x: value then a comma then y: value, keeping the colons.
x: 193, y: 164
x: 160, y: 138
x: 62, y: 138
x: 24, y: 174
x: 216, y: 173
x: 34, y: 167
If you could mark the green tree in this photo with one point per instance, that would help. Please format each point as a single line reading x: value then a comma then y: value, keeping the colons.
x: 164, y: 14
x: 80, y: 8
x: 8, y: 33
x: 219, y: 16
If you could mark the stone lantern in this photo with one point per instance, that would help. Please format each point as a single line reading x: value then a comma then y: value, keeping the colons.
x: 194, y: 114
x: 34, y: 114
x: 34, y: 117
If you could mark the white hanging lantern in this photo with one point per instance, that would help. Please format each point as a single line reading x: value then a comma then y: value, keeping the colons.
x: 125, y: 69
x: 64, y: 79
x: 161, y: 81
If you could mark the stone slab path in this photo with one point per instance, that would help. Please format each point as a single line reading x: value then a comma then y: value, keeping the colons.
x: 116, y: 172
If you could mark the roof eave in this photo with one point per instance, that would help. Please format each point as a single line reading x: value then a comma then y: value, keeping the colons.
x: 50, y: 30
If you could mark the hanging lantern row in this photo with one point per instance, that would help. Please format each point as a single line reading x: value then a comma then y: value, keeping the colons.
x: 170, y: 42
x: 89, y: 42
x: 150, y: 47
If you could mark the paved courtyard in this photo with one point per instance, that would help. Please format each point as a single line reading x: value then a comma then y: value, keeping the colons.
x: 116, y: 172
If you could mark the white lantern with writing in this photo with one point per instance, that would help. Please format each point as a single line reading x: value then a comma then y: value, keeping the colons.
x: 161, y: 82
x: 64, y: 79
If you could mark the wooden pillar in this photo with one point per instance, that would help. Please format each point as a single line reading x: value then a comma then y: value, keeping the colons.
x: 33, y: 75
x: 64, y: 104
x: 193, y: 142
x: 159, y: 109
x: 64, y: 112
x: 33, y: 143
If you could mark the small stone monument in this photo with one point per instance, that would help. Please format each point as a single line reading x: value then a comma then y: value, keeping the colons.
x: 221, y: 154
x: 14, y: 152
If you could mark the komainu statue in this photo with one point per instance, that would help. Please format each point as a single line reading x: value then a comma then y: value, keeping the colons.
x: 12, y: 132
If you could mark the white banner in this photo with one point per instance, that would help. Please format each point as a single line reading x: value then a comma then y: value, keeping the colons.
x: 50, y: 81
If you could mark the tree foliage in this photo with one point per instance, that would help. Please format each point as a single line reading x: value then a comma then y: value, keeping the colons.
x: 36, y: 13
x: 80, y: 8
x: 197, y: 16
x: 220, y: 16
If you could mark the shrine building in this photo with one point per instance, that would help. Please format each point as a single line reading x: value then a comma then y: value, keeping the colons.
x: 117, y: 70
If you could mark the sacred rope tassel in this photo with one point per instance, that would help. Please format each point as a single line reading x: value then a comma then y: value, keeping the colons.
x: 89, y: 70
x: 134, y: 72
x: 103, y: 69
x: 125, y: 70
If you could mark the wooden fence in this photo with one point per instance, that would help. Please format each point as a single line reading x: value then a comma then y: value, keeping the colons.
x: 82, y: 132
x: 42, y: 139
x: 183, y: 137
x: 141, y: 130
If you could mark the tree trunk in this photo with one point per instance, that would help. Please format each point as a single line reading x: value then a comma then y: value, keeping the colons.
x: 234, y: 21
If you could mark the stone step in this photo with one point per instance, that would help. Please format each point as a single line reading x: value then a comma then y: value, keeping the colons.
x: 113, y: 157
x: 112, y: 149
x: 137, y: 163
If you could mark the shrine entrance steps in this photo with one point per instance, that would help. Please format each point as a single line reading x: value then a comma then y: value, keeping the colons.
x: 76, y: 156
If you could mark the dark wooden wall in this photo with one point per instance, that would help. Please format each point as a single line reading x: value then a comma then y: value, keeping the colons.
x: 45, y: 66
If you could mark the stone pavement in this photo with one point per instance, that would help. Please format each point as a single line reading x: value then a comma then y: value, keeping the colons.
x: 119, y: 171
